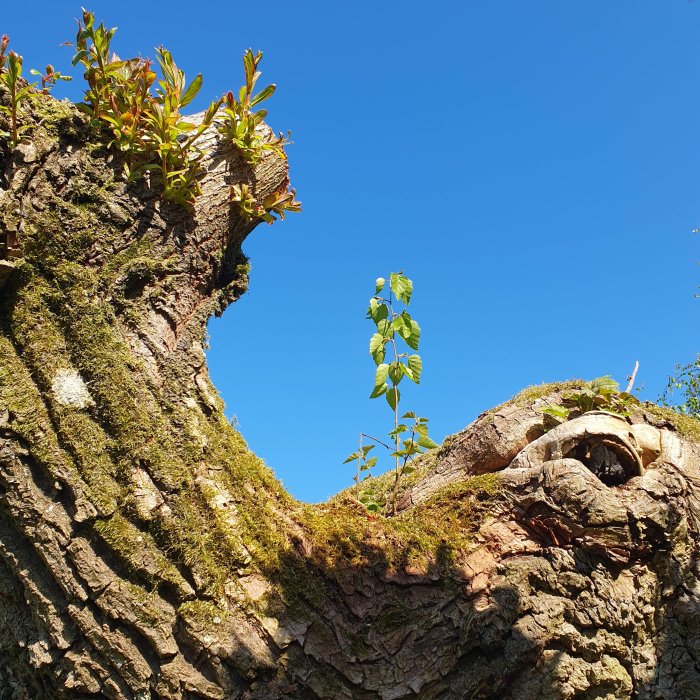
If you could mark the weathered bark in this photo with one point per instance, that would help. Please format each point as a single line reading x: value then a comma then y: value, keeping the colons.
x: 145, y: 552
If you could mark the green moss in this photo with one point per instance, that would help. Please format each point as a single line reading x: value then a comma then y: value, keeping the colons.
x: 382, y: 485
x: 44, y: 349
x: 432, y: 533
x: 539, y: 391
x: 686, y: 425
x: 138, y: 550
x: 345, y: 542
x: 146, y: 608
x: 202, y: 614
x: 30, y: 419
x: 56, y: 117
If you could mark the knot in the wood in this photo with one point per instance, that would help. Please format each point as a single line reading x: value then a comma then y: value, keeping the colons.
x: 603, y: 442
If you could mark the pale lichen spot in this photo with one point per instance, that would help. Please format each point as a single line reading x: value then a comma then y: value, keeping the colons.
x: 70, y: 389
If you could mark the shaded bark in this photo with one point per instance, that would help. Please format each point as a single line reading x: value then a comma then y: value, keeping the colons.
x: 146, y: 553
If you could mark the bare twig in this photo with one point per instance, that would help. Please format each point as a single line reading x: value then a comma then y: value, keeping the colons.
x: 632, y: 377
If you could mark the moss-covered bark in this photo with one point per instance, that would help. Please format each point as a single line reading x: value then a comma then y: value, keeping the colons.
x: 146, y: 552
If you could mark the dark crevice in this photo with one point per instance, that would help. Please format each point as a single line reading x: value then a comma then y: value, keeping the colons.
x: 605, y: 459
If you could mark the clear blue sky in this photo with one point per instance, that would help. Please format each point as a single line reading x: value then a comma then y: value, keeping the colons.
x: 533, y: 166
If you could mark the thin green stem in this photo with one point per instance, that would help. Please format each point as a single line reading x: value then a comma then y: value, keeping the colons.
x: 394, y: 388
x: 377, y: 440
x: 359, y: 469
x: 13, y: 103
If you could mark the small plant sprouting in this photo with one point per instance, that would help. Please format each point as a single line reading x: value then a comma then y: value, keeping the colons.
x: 394, y: 326
x: 250, y: 208
x: 602, y: 394
x: 240, y: 124
x: 151, y: 131
x: 148, y: 128
x: 10, y: 77
x: 172, y: 138
x: 143, y: 115
x: 364, y: 464
x: 49, y: 78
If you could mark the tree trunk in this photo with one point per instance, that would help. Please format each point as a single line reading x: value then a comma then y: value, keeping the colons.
x: 145, y: 552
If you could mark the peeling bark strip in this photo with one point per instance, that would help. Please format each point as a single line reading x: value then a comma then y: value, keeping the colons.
x: 146, y: 553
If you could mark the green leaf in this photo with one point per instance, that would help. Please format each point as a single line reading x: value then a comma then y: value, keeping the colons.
x: 425, y: 441
x: 379, y: 285
x: 373, y: 306
x: 604, y: 385
x: 369, y: 463
x: 378, y: 355
x: 396, y: 372
x: 414, y: 338
x: 408, y: 469
x: 352, y: 457
x: 393, y: 396
x: 381, y: 375
x: 409, y: 414
x: 377, y: 312
x: 376, y: 342
x: 404, y: 328
x: 263, y: 95
x: 557, y: 411
x: 400, y: 428
x: 415, y: 368
x: 401, y: 286
x: 378, y: 391
x: 399, y: 325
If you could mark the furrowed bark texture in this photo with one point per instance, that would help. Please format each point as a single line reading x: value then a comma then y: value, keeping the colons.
x: 146, y: 553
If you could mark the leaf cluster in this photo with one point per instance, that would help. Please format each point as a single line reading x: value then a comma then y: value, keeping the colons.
x: 392, y: 327
x: 241, y: 125
x: 685, y: 382
x: 143, y: 113
x: 276, y: 203
x: 602, y: 394
x: 146, y: 125
x: 413, y: 440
